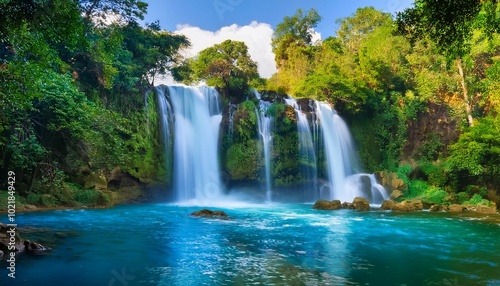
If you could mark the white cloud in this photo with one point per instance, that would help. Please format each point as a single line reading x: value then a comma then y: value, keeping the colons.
x: 257, y: 36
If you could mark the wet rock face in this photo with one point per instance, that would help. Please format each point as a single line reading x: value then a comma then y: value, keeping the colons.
x: 210, y: 214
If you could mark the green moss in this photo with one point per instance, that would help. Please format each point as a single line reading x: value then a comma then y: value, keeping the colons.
x: 244, y: 160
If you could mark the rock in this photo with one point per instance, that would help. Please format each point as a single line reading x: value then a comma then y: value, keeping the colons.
x: 435, y: 208
x: 20, y: 245
x: 387, y: 205
x: 396, y: 194
x: 210, y: 213
x: 10, y: 235
x: 486, y: 209
x: 361, y: 204
x: 95, y: 181
x: 347, y: 205
x: 404, y: 206
x: 366, y: 186
x: 390, y: 181
x: 30, y: 207
x: 444, y: 208
x: 456, y: 208
x: 327, y: 205
x: 119, y: 179
x: 33, y: 247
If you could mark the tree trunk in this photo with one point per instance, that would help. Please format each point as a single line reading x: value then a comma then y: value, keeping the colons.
x: 468, y: 108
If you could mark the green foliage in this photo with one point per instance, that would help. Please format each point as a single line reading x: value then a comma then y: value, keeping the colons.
x: 462, y: 197
x: 244, y: 160
x: 227, y: 66
x: 477, y: 152
x: 477, y: 200
x: 245, y: 122
x: 293, y: 33
x: 421, y: 190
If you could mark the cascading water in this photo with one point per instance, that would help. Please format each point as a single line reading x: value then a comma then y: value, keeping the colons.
x: 264, y: 124
x: 345, y: 184
x: 166, y: 122
x: 338, y: 146
x: 197, y: 115
x: 307, y: 154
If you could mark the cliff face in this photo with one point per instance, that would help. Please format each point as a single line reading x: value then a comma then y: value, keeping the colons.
x: 430, y: 134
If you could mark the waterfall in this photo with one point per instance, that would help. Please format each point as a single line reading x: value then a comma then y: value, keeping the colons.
x: 197, y: 115
x: 344, y: 183
x: 166, y: 122
x: 264, y: 124
x: 307, y: 154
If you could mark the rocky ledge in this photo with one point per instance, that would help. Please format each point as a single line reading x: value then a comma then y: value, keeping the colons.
x: 210, y: 214
x: 11, y: 241
x: 359, y: 204
x: 417, y: 205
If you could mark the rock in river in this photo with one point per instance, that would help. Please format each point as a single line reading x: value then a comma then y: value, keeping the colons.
x: 210, y: 213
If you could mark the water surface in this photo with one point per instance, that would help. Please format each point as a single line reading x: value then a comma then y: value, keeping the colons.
x: 288, y: 244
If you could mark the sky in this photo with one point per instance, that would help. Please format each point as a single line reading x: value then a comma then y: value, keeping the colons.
x: 209, y: 22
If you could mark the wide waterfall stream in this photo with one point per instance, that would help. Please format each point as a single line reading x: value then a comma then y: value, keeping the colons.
x: 191, y: 125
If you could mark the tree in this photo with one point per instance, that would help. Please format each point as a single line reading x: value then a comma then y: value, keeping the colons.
x: 227, y: 65
x: 295, y: 31
x: 154, y: 51
x: 355, y: 28
x: 100, y: 10
x: 450, y: 24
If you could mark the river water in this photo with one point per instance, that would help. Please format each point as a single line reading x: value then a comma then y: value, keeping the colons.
x: 279, y: 244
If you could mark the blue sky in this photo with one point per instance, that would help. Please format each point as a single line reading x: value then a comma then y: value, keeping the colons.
x: 214, y: 14
x: 209, y: 22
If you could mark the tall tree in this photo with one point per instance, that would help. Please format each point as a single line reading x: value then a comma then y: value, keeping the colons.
x: 450, y: 24
x: 295, y: 31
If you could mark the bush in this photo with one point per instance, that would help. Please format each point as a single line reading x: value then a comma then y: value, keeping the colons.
x: 477, y: 200
x: 462, y: 197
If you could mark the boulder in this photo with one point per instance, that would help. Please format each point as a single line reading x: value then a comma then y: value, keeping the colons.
x: 435, y: 208
x: 390, y: 181
x: 404, y: 206
x: 20, y: 245
x: 32, y: 247
x: 456, y: 208
x: 347, y: 205
x: 10, y: 235
x: 327, y: 205
x: 396, y: 194
x: 361, y: 204
x: 387, y: 205
x: 210, y: 213
x: 486, y: 209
